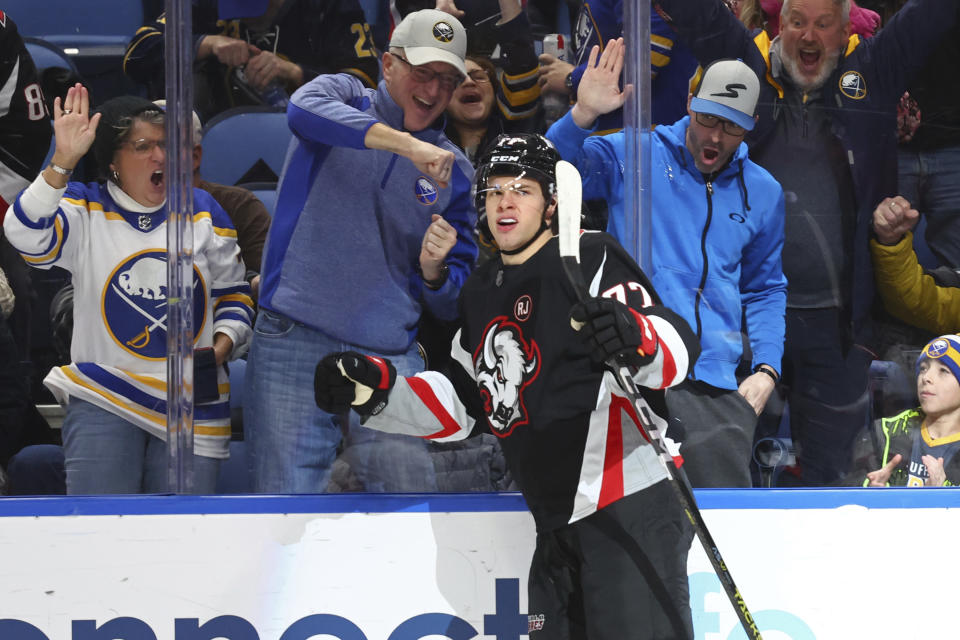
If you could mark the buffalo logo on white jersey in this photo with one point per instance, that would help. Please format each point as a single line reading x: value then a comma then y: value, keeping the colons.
x: 425, y: 190
x: 135, y: 304
x: 505, y: 365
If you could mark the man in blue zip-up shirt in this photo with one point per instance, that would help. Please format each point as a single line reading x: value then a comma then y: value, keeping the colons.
x: 717, y: 223
x: 827, y: 133
x: 374, y: 223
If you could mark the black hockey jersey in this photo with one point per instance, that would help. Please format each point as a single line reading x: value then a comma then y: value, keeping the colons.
x: 571, y: 439
x: 24, y: 121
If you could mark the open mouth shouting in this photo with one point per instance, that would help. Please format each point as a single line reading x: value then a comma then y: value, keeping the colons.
x: 809, y: 60
x: 156, y: 178
x: 469, y: 96
x: 710, y: 155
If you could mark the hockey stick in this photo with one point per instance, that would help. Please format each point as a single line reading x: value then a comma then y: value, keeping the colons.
x: 568, y: 209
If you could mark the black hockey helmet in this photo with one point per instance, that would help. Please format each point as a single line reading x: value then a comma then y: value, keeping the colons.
x: 529, y: 155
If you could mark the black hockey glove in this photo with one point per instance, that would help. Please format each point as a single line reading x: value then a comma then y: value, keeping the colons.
x: 350, y: 379
x: 614, y: 331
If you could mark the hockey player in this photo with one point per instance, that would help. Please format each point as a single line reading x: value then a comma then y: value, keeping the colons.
x: 570, y: 437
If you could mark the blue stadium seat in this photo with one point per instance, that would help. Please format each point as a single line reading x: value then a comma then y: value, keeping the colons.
x: 265, y: 191
x: 244, y: 144
x: 46, y: 54
x: 100, y: 25
x: 94, y: 35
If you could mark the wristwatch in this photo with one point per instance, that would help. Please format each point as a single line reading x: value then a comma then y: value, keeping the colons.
x: 61, y: 170
x: 433, y: 285
x: 568, y: 83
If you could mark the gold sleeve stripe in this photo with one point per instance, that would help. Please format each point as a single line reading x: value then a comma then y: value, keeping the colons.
x: 235, y: 297
x: 227, y: 233
x: 513, y: 114
x: 137, y: 40
x: 363, y: 76
x: 523, y: 96
x: 520, y: 77
x: 50, y: 255
x: 660, y: 41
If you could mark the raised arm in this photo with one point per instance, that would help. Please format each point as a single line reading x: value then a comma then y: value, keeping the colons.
x: 437, y: 163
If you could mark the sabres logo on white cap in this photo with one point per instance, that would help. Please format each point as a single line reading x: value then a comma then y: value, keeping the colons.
x: 425, y: 190
x: 443, y: 32
x: 853, y: 85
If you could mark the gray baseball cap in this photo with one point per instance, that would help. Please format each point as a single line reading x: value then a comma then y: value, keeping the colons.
x: 729, y: 89
x: 430, y: 35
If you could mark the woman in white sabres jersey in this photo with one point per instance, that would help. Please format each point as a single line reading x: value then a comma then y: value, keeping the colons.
x: 112, y: 237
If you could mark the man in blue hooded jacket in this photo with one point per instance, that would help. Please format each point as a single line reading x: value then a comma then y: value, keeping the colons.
x: 717, y: 237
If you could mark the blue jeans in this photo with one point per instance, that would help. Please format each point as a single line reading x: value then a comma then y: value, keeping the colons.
x: 104, y: 453
x: 37, y: 470
x: 930, y: 180
x: 293, y: 443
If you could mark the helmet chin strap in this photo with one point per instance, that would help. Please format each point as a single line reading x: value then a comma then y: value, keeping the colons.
x: 544, y: 226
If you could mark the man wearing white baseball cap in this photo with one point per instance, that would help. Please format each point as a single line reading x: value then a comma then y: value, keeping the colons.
x: 373, y: 226
x: 717, y: 235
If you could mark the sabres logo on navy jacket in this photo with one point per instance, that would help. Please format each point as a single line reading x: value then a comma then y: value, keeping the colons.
x: 135, y: 304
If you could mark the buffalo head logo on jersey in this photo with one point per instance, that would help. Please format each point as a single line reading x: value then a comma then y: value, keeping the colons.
x: 505, y: 365
x: 135, y: 304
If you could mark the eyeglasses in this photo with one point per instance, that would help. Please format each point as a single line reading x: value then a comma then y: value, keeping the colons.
x: 143, y: 147
x: 423, y: 75
x: 711, y: 121
x: 479, y: 76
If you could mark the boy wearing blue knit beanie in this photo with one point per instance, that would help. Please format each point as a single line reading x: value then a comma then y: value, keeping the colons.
x: 922, y: 443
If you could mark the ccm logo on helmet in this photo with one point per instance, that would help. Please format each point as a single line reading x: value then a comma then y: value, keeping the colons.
x: 504, y: 158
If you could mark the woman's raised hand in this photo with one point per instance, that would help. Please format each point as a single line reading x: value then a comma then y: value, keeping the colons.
x: 73, y: 127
